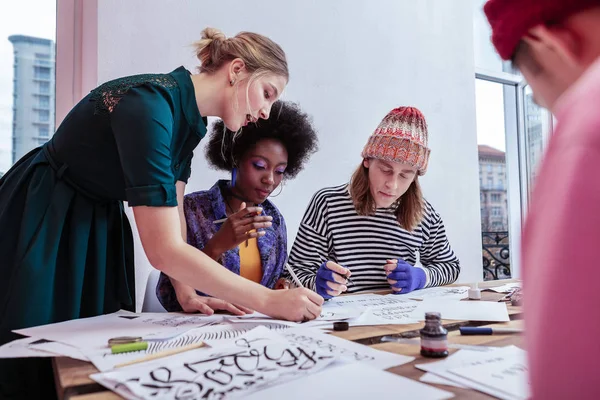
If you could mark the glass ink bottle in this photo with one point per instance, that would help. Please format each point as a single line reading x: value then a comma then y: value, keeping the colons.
x: 434, y: 337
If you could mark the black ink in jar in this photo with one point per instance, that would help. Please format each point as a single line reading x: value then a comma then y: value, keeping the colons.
x: 434, y: 337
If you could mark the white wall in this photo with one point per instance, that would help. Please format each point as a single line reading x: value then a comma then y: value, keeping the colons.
x: 350, y: 63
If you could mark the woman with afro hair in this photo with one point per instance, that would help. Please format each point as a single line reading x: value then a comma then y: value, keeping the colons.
x: 234, y: 222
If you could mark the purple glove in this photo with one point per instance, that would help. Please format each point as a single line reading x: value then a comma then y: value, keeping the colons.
x: 408, y: 278
x: 325, y: 275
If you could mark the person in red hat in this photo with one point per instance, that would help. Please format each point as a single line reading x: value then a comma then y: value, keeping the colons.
x: 556, y: 45
x: 373, y: 227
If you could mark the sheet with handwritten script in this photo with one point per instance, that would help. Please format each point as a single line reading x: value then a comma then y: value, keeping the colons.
x: 94, y: 332
x: 508, y: 377
x: 259, y: 359
x: 442, y: 292
x: 380, y: 310
x: 344, y: 350
x: 452, y: 367
x: 104, y: 360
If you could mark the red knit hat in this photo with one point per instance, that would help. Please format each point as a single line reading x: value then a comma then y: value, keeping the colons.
x: 401, y: 137
x: 512, y: 19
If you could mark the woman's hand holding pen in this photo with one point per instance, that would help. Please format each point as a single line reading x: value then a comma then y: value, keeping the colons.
x: 331, y: 279
x: 299, y: 304
x: 239, y: 227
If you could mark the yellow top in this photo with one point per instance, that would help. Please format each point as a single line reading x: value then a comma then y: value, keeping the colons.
x: 250, y: 263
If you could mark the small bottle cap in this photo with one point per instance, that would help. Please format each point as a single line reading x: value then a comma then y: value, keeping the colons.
x: 433, y: 315
x: 474, y: 292
x: 124, y: 340
x: 340, y: 326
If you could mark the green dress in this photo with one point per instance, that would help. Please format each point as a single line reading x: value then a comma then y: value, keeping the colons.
x: 67, y: 249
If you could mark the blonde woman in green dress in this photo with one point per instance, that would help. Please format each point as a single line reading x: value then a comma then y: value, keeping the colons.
x: 67, y: 249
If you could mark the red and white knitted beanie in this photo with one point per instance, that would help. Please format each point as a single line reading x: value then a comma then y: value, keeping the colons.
x: 401, y: 137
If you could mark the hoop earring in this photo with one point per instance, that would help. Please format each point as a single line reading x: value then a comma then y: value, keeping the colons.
x: 280, y: 190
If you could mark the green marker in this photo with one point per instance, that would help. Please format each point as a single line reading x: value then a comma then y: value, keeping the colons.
x: 127, y: 347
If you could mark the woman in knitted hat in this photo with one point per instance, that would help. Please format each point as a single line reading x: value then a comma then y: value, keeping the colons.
x: 556, y: 45
x: 223, y: 221
x: 373, y: 227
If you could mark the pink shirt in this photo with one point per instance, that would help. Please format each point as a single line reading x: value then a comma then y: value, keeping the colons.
x: 561, y: 252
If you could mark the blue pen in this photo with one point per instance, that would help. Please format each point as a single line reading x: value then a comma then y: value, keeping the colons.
x: 469, y: 330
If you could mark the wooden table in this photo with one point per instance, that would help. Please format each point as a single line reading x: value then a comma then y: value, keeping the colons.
x: 73, y: 382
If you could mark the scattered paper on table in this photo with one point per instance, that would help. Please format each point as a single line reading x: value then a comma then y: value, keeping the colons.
x: 467, y: 358
x: 95, y: 331
x: 352, y: 381
x: 59, y: 349
x: 509, y: 287
x: 436, y: 293
x: 215, y: 335
x: 392, y: 310
x: 20, y: 348
x: 464, y: 310
x: 345, y: 350
x: 428, y: 377
x: 259, y: 359
x: 509, y: 376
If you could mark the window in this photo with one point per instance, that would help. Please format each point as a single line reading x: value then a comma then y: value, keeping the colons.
x: 538, y: 125
x: 41, y: 72
x: 43, y: 131
x: 493, y: 130
x: 44, y: 87
x: 44, y: 101
x: 26, y: 102
x: 44, y: 115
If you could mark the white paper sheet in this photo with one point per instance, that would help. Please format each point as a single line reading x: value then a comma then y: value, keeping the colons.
x: 464, y: 310
x: 428, y: 377
x: 466, y: 358
x: 509, y: 376
x: 352, y: 381
x: 215, y: 335
x: 344, y: 350
x: 59, y: 350
x: 365, y: 301
x: 437, y: 293
x: 259, y: 359
x: 20, y: 348
x: 94, y: 332
x: 390, y: 310
x: 330, y: 312
x: 505, y: 288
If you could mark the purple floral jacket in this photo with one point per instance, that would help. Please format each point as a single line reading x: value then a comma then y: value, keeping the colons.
x: 204, y: 207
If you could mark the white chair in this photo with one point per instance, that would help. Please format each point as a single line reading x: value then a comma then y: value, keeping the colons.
x: 151, y: 303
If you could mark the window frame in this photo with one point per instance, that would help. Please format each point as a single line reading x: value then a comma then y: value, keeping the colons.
x: 517, y: 142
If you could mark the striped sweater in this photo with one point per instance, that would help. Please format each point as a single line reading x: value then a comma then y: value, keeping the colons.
x: 332, y: 230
